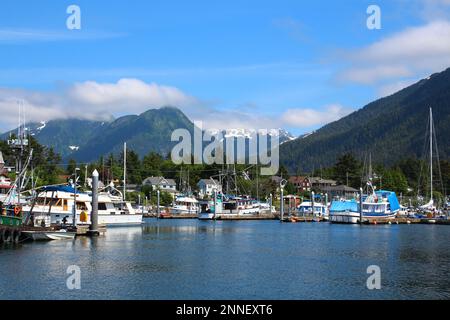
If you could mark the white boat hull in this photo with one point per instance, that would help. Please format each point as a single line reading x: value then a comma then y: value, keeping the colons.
x: 124, y: 219
x: 206, y: 216
x: 107, y: 219
x: 48, y: 235
x: 182, y: 211
x: 353, y: 217
x: 345, y: 217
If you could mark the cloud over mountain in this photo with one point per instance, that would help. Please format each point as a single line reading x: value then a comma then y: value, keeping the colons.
x: 90, y: 100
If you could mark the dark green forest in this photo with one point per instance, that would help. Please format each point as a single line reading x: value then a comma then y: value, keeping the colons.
x: 408, y: 177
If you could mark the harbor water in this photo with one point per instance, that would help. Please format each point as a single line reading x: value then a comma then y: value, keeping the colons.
x: 190, y: 259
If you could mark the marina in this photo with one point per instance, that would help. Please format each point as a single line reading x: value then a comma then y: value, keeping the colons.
x: 169, y: 259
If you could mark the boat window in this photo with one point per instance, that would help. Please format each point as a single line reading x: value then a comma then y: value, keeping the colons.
x: 51, y: 202
x: 81, y: 206
x: 101, y: 206
x: 40, y: 201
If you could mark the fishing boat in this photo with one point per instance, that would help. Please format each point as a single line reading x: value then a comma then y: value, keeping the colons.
x: 233, y: 207
x: 240, y: 206
x: 185, y: 205
x: 306, y: 209
x: 211, y: 210
x: 344, y: 211
x: 54, y: 205
x: 380, y: 204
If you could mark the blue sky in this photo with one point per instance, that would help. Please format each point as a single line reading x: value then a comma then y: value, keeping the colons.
x: 260, y: 64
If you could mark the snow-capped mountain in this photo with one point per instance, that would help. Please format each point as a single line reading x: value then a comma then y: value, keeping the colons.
x: 85, y: 140
x: 283, y: 134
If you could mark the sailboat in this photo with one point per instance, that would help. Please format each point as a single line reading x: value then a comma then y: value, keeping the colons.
x: 430, y: 208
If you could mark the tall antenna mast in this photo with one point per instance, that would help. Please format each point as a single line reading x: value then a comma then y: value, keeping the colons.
x: 18, y: 145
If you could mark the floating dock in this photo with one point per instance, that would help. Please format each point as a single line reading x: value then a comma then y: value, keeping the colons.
x: 295, y: 219
x: 404, y: 220
x: 247, y: 217
x: 178, y: 216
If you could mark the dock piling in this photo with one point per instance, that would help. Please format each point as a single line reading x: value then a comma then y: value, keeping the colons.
x: 93, y: 230
x: 360, y: 206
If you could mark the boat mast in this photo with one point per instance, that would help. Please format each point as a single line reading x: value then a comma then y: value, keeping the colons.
x: 124, y: 170
x: 431, y: 154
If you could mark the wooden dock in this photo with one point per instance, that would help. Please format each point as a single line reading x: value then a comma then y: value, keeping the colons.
x: 247, y: 217
x: 178, y: 216
x: 403, y: 220
x: 295, y: 219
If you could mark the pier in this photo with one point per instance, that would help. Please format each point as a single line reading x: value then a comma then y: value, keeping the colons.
x: 404, y: 220
x: 295, y: 219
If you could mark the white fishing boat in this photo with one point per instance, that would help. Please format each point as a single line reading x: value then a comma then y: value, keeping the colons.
x: 185, y: 205
x: 233, y: 207
x: 211, y: 210
x: 54, y: 205
x: 240, y: 206
x: 344, y: 211
x: 379, y: 204
x: 306, y: 209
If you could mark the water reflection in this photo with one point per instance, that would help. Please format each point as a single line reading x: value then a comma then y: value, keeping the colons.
x: 190, y: 259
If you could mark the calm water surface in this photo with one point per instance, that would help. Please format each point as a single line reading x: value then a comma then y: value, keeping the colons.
x: 190, y: 259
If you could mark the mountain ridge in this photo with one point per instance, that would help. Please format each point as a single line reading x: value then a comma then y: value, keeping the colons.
x: 391, y: 128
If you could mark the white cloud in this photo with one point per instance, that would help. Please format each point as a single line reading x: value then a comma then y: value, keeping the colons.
x: 235, y: 119
x: 91, y: 100
x: 130, y: 93
x: 294, y: 118
x: 417, y: 50
x: 100, y: 101
x: 28, y: 35
x: 434, y: 9
x: 304, y: 118
x: 391, y: 88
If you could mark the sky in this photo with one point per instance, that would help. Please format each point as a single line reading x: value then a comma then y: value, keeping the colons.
x: 232, y: 64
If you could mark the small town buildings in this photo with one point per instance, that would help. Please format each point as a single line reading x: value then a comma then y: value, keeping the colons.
x: 207, y: 187
x: 340, y: 191
x: 161, y: 183
x: 319, y: 184
x: 301, y: 184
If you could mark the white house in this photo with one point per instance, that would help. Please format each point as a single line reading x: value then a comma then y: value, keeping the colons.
x: 161, y: 183
x: 207, y: 187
